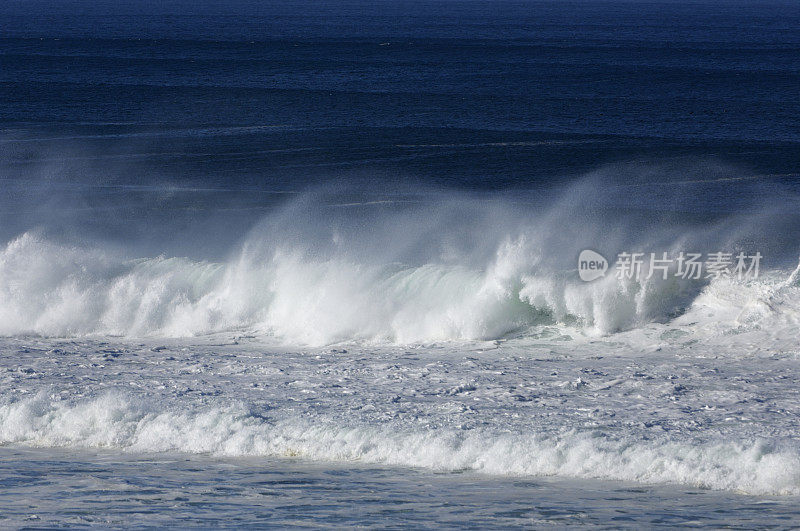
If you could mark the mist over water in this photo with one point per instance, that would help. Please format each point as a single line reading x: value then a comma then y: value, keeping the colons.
x: 358, y: 261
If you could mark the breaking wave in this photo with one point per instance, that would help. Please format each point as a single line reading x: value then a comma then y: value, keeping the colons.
x: 118, y: 421
x: 463, y: 269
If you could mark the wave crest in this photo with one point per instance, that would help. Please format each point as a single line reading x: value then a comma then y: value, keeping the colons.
x: 56, y: 290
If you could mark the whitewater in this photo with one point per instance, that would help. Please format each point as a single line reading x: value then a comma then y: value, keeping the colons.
x: 447, y: 336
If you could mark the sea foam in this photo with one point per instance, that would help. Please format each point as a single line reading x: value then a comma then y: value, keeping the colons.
x: 56, y: 290
x: 118, y: 421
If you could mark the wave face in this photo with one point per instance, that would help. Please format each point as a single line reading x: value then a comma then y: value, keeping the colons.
x: 458, y: 270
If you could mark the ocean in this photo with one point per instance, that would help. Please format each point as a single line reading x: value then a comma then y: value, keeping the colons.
x: 418, y: 263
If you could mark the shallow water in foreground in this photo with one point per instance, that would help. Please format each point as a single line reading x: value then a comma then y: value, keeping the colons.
x: 45, y: 487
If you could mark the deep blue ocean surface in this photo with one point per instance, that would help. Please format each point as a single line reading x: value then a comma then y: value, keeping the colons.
x: 254, y: 99
x: 676, y: 73
x: 261, y: 98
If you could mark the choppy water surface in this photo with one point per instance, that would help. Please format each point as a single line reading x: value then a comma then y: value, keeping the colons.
x: 66, y: 487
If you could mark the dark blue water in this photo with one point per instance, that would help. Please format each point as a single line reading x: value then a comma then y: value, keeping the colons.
x: 663, y: 70
x: 247, y: 101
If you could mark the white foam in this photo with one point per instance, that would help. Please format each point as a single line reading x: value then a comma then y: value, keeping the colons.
x: 56, y: 290
x: 117, y: 421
